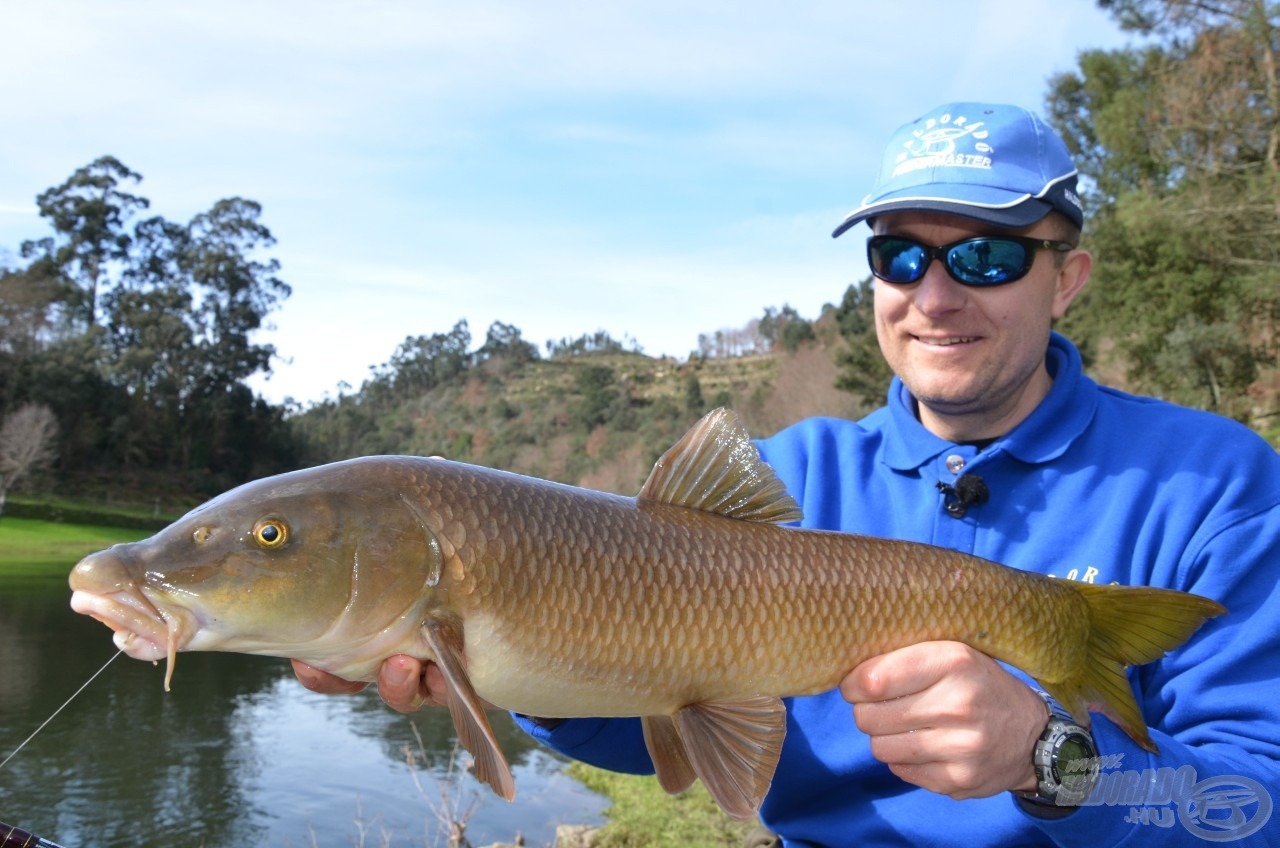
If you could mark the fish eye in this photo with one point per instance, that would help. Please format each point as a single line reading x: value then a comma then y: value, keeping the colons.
x: 201, y: 535
x: 271, y: 533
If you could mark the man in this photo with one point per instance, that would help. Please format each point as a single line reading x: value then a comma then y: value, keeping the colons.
x: 995, y: 443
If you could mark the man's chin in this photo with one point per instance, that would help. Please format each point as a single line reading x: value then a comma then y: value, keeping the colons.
x: 946, y: 394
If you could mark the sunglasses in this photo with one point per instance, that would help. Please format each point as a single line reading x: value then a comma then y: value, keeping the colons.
x: 978, y: 261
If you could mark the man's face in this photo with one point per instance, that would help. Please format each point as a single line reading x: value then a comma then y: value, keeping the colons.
x: 973, y: 357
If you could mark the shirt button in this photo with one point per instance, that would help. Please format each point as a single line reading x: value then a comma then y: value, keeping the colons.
x: 955, y: 463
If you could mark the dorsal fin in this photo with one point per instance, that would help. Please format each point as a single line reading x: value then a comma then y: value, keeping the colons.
x: 715, y: 468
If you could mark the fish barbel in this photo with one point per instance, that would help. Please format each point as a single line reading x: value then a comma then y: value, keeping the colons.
x: 688, y: 606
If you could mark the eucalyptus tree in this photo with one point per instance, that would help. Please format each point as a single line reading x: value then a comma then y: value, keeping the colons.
x: 140, y: 334
x: 233, y: 289
x: 89, y: 213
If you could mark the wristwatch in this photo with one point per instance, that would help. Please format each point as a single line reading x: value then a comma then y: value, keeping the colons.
x: 1065, y: 759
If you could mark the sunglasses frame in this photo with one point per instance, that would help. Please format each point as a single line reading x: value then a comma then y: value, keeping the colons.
x: 942, y: 252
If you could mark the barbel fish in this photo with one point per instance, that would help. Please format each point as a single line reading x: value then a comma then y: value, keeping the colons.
x: 689, y: 606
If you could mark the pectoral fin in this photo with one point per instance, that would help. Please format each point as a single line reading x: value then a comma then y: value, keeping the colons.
x: 733, y: 746
x: 444, y: 636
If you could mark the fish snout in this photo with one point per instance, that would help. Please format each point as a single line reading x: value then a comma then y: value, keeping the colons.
x: 103, y: 572
x: 103, y: 588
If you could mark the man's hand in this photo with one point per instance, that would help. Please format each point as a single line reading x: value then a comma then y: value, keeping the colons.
x: 404, y: 683
x: 948, y: 718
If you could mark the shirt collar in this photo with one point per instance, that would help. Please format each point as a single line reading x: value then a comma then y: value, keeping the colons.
x: 1042, y: 436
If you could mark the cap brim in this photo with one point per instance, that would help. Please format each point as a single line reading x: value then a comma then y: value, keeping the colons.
x: 1023, y: 211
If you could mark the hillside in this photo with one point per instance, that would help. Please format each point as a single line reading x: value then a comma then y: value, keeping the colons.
x: 599, y: 420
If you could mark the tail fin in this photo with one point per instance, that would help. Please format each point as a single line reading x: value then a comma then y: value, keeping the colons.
x: 1129, y: 625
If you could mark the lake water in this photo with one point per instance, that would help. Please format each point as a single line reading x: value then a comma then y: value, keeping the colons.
x: 239, y: 753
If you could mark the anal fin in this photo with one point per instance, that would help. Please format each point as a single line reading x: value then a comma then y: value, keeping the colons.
x: 733, y: 747
x: 465, y: 708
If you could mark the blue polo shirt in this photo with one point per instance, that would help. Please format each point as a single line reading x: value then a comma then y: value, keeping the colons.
x: 1095, y: 485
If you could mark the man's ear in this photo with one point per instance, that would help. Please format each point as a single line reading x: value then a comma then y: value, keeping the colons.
x: 1072, y: 276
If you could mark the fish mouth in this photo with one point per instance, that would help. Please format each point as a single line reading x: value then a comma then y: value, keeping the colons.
x: 141, y: 629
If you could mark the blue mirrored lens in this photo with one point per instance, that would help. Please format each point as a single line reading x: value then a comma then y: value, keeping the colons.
x: 897, y: 260
x: 988, y: 261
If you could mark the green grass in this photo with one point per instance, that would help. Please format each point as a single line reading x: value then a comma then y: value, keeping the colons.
x: 642, y: 815
x: 36, y: 548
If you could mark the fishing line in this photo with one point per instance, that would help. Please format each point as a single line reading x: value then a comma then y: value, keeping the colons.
x: 61, y: 708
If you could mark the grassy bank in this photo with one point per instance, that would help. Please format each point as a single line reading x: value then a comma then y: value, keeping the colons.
x: 642, y: 815
x: 31, y: 547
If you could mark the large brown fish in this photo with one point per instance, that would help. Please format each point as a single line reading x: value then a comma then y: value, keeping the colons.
x: 687, y: 605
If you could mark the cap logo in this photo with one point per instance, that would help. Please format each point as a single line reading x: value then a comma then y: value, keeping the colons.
x: 937, y: 144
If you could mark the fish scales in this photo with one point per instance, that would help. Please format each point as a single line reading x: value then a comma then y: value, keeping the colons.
x: 687, y: 606
x: 595, y: 585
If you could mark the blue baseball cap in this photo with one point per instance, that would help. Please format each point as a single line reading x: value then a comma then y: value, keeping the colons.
x: 994, y: 163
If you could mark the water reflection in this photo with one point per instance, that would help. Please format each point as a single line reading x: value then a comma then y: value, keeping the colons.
x: 237, y: 754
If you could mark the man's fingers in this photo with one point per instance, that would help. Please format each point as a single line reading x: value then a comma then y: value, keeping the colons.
x: 323, y: 682
x: 895, y: 716
x: 905, y: 671
x: 401, y: 685
x: 404, y: 683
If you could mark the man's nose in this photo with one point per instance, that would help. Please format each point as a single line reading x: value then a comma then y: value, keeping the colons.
x: 937, y: 293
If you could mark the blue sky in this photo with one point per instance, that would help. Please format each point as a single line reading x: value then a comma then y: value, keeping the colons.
x: 654, y: 169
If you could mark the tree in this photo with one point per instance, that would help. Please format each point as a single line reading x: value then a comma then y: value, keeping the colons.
x: 599, y: 396
x: 47, y: 357
x: 29, y: 323
x: 795, y: 331
x: 421, y: 363
x: 863, y: 369
x: 1221, y: 91
x: 591, y: 343
x: 1202, y: 358
x: 1180, y: 141
x: 234, y: 290
x: 153, y: 357
x: 783, y: 328
x: 26, y: 445
x: 694, y: 403
x: 30, y: 307
x: 88, y: 213
x: 505, y: 342
x: 139, y: 335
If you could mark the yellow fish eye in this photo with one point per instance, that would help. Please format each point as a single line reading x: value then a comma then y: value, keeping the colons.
x: 271, y: 533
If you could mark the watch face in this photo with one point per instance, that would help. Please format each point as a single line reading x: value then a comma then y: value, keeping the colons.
x: 1076, y: 767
